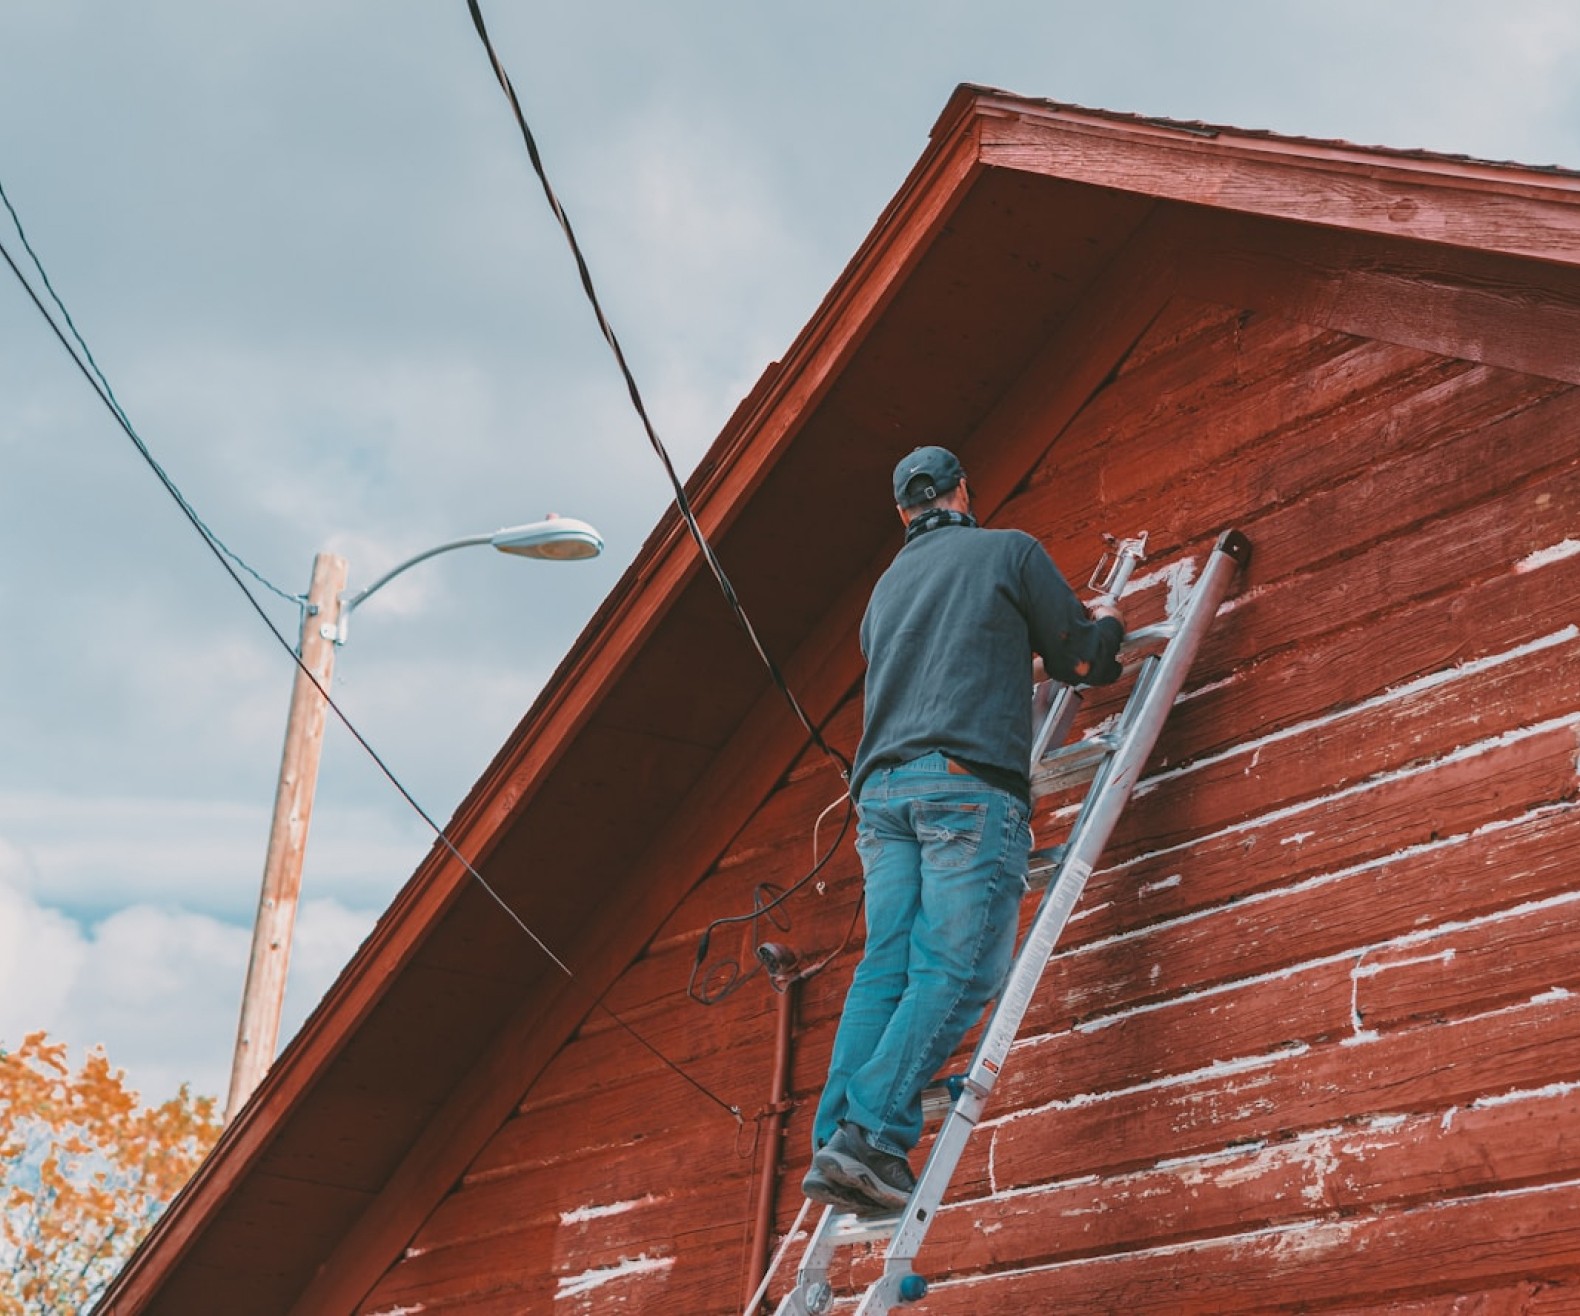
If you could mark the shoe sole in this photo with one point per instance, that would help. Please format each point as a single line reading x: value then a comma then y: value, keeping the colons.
x: 850, y: 1173
x: 838, y: 1195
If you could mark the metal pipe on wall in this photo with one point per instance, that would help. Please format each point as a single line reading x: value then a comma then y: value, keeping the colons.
x: 778, y: 1107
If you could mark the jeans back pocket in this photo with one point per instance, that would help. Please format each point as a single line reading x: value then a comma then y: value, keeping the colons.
x: 950, y: 833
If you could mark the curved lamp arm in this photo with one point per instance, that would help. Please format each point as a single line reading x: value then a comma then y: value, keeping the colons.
x: 555, y: 538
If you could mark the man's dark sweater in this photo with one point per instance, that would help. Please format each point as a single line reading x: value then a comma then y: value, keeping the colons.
x: 949, y: 636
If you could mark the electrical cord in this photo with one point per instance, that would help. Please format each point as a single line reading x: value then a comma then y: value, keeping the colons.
x: 733, y: 978
x: 724, y: 978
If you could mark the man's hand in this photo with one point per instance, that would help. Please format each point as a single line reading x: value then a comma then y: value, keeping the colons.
x: 1100, y: 610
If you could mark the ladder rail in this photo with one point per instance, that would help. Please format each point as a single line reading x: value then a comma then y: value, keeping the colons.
x: 1159, y: 678
x: 1110, y: 791
x: 1056, y: 702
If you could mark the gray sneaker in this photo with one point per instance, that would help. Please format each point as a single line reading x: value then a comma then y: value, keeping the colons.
x: 853, y: 1163
x: 820, y: 1188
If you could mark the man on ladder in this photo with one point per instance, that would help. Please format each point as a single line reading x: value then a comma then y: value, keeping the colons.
x: 943, y: 801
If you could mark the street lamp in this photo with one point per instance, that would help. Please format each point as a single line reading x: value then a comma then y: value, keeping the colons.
x: 324, y: 620
x: 554, y: 539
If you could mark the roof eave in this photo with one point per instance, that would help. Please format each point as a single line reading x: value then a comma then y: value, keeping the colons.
x: 611, y: 641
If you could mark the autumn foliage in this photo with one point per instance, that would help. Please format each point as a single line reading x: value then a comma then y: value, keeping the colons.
x: 84, y: 1171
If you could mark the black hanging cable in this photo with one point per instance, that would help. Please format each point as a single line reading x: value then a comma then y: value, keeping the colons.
x: 107, y: 394
x: 734, y: 979
x: 223, y: 557
x: 725, y: 977
x: 682, y: 502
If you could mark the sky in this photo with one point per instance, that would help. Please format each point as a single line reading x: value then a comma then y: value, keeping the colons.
x: 304, y: 243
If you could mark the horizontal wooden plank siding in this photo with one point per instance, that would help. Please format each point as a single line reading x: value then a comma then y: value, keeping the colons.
x: 1312, y: 1041
x: 1325, y: 1000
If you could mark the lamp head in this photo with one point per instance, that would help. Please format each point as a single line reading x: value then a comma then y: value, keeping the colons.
x: 557, y: 538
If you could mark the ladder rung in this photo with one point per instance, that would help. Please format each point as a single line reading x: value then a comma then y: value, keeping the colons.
x: 1070, y: 765
x: 1062, y: 870
x: 1146, y: 640
x: 847, y: 1228
x: 1044, y: 866
x: 939, y: 1095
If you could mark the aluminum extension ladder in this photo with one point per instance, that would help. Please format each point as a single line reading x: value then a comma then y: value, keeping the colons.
x: 1113, y: 763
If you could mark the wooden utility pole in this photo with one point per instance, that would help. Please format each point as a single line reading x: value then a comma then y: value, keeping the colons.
x: 259, y: 1030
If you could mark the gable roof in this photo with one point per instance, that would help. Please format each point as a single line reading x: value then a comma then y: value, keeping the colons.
x: 1029, y: 248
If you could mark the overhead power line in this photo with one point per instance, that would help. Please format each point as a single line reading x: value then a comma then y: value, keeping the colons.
x: 107, y: 395
x: 698, y: 988
x: 682, y: 501
x: 90, y: 371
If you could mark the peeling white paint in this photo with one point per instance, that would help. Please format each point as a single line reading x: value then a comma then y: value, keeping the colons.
x: 1310, y: 1241
x: 1392, y: 695
x: 1322, y: 1158
x: 585, y: 1213
x: 1216, y: 1069
x: 1237, y: 601
x: 1180, y: 585
x: 1554, y: 996
x: 1297, y: 838
x: 399, y: 1311
x: 1359, y: 788
x: 1028, y: 1190
x: 1200, y: 1162
x: 1442, y: 957
x: 1301, y: 1239
x: 1402, y: 942
x: 1162, y: 884
x: 1176, y: 575
x: 1525, y: 1094
x: 1321, y: 1151
x: 1355, y: 991
x: 1545, y: 557
x: 1239, y: 1170
x: 1451, y: 926
x: 574, y: 1285
x: 1196, y: 692
x: 1086, y: 911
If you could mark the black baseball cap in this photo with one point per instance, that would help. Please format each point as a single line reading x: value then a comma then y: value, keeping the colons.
x: 926, y: 474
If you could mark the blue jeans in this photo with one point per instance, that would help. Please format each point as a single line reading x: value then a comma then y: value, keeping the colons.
x: 944, y: 856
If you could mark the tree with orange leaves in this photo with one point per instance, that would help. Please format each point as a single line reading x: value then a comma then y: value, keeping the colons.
x: 84, y: 1172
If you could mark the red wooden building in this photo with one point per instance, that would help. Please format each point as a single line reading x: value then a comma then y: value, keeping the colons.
x: 1312, y: 1042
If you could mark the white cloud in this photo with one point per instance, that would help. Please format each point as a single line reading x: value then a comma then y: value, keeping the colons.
x: 331, y: 296
x: 91, y: 856
x: 41, y: 952
x: 158, y: 988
